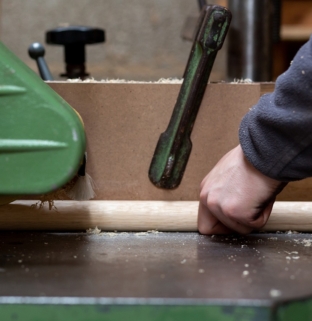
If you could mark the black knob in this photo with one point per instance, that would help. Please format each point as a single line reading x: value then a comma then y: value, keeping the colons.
x: 36, y: 51
x: 74, y: 39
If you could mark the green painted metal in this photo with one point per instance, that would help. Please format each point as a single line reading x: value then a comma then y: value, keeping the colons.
x: 11, y: 90
x: 42, y: 139
x: 174, y: 145
x: 293, y: 311
x: 131, y: 313
x: 297, y: 310
x: 31, y: 145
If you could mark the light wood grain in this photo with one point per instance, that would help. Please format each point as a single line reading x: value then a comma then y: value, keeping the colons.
x: 296, y: 33
x: 295, y: 216
x: 135, y: 216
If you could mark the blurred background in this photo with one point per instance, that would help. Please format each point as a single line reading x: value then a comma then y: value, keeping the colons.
x: 143, y: 37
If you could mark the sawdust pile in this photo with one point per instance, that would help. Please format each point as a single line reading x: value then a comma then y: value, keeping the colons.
x: 124, y: 81
x: 93, y: 231
x: 304, y: 242
x: 60, y: 194
x: 146, y: 233
x: 241, y: 81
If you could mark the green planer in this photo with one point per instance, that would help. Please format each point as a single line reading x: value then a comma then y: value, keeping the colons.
x: 42, y: 138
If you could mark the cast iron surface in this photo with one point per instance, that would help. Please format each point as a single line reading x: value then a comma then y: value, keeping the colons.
x: 163, y: 265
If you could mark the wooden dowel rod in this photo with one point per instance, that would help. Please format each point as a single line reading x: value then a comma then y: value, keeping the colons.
x: 135, y: 216
x: 295, y: 216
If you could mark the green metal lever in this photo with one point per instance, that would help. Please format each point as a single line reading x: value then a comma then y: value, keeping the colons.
x: 42, y: 138
x: 174, y: 145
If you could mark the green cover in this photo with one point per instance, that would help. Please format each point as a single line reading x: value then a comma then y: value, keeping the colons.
x: 42, y: 138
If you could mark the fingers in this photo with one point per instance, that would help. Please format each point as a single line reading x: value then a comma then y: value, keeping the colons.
x: 254, y: 218
x: 208, y: 224
x: 214, y: 220
x: 215, y: 217
x: 202, y: 184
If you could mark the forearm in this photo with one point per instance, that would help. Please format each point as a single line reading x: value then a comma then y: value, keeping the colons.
x: 276, y: 135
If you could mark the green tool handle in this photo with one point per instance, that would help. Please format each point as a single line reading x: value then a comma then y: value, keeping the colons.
x: 174, y: 146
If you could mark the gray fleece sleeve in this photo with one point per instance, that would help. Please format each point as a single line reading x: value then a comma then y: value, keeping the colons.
x: 276, y: 134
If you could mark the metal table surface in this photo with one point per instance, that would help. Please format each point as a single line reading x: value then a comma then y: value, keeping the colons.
x: 259, y: 268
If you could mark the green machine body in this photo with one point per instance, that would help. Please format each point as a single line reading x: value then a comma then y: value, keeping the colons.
x: 42, y: 138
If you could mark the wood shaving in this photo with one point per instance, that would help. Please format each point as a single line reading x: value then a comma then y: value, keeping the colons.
x: 304, y: 242
x: 287, y: 232
x: 60, y: 194
x: 245, y: 273
x: 291, y: 232
x: 141, y: 234
x: 123, y: 81
x: 64, y: 193
x: 110, y: 234
x: 275, y: 293
x: 44, y: 199
x: 93, y: 231
x: 83, y: 189
x: 292, y: 257
x: 241, y: 81
x: 146, y: 233
x: 153, y: 231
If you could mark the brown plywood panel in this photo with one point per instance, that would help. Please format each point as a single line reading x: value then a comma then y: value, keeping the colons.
x: 123, y: 123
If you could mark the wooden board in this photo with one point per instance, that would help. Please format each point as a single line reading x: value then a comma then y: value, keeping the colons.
x: 123, y: 122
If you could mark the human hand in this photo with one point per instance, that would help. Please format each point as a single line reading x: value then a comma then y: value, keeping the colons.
x: 235, y: 196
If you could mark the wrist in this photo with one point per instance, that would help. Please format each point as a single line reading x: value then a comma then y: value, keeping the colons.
x: 253, y: 171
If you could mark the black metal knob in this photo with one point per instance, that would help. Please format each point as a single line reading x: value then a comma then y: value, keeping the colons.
x: 36, y: 51
x: 74, y: 39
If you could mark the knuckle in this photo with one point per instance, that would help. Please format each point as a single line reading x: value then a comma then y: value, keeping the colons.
x: 213, y: 202
x: 229, y: 210
x: 203, y: 197
x: 203, y: 182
